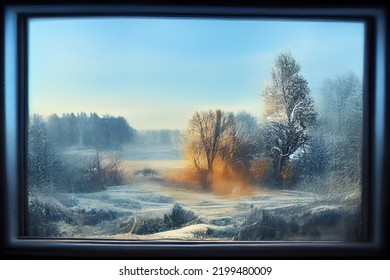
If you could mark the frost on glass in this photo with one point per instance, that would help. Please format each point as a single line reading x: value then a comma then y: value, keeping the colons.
x: 147, y: 137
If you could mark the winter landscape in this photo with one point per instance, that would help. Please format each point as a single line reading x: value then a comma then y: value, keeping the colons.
x: 285, y: 165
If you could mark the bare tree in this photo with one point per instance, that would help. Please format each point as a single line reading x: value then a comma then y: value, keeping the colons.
x: 289, y: 111
x: 96, y: 172
x: 241, y: 142
x: 207, y: 136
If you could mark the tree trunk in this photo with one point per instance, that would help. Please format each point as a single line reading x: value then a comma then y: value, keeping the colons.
x: 280, y: 165
x: 283, y: 165
x: 205, y: 179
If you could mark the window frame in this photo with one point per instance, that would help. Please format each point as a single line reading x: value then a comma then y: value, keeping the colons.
x: 15, y: 127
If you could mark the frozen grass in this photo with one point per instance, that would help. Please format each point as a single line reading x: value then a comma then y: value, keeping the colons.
x: 146, y: 209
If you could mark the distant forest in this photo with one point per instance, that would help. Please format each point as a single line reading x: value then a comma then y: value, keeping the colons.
x: 101, y: 132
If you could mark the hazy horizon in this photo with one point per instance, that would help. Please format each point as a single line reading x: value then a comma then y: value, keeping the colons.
x: 157, y: 72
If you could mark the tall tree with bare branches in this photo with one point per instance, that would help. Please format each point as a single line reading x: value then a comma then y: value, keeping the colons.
x: 207, y: 136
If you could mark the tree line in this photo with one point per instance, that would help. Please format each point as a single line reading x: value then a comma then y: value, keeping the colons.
x: 101, y: 132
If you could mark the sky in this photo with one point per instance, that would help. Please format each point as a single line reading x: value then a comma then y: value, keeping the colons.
x: 156, y: 72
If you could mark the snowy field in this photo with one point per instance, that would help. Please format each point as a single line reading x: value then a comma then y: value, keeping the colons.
x: 118, y: 212
x: 151, y: 208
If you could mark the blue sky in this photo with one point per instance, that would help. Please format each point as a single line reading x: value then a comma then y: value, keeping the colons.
x: 157, y: 72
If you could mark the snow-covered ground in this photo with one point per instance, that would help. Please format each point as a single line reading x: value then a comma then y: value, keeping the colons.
x: 141, y: 209
x: 113, y: 213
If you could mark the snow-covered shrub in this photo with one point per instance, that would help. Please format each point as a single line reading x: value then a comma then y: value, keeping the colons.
x: 112, y: 171
x: 316, y: 223
x: 330, y: 223
x: 144, y: 226
x: 146, y: 172
x: 200, y: 234
x: 95, y: 173
x: 43, y: 215
x: 226, y: 232
x: 263, y: 225
x: 179, y: 217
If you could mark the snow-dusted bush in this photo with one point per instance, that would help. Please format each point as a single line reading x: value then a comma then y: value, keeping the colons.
x: 179, y: 217
x: 332, y: 223
x: 146, y: 172
x: 95, y: 173
x: 144, y: 226
x: 225, y: 232
x: 263, y: 225
x: 201, y: 234
x: 317, y: 223
x: 43, y: 215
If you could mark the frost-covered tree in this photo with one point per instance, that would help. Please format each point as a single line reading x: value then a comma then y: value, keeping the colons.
x: 55, y: 130
x: 342, y: 100
x: 342, y: 118
x: 289, y: 111
x: 43, y: 162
